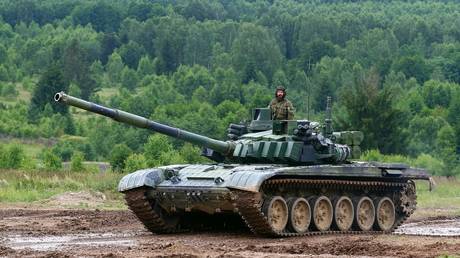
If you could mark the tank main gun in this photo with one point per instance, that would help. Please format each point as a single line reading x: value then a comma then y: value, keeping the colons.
x: 224, y: 148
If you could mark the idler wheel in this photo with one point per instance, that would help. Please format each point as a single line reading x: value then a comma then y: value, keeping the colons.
x: 343, y: 213
x: 322, y: 213
x: 299, y: 215
x: 365, y: 214
x: 385, y: 214
x: 408, y: 198
x: 277, y: 213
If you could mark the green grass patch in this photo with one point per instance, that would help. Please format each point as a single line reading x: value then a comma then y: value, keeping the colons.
x: 107, y: 93
x: 444, y: 196
x: 32, y: 148
x: 17, y: 186
x: 8, y: 101
x: 20, y: 94
x: 23, y: 94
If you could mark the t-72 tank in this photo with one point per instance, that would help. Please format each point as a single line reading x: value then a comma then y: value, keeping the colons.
x: 281, y: 177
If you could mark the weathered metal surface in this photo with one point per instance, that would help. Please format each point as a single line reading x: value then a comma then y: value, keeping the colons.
x: 146, y: 177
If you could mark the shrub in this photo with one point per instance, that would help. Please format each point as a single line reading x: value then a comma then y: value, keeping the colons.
x: 9, y: 90
x: 76, y: 162
x: 118, y: 157
x: 135, y: 162
x: 154, y: 148
x: 74, y: 90
x: 372, y: 155
x: 192, y: 154
x: 430, y: 163
x: 434, y: 165
x: 11, y: 156
x: 51, y: 161
x: 169, y: 158
x: 67, y: 145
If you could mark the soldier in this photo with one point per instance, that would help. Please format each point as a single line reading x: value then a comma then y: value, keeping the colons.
x: 282, y: 109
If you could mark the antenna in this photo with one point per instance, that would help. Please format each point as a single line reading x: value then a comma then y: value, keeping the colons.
x: 328, y: 121
x: 308, y: 95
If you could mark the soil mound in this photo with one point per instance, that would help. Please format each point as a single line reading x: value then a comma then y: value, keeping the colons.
x: 82, y: 199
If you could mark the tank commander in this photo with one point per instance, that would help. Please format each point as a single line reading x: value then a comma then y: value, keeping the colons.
x: 282, y: 108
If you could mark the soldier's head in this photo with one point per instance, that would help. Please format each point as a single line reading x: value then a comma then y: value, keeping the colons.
x: 280, y: 92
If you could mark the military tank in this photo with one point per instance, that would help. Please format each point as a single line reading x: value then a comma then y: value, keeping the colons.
x: 280, y: 177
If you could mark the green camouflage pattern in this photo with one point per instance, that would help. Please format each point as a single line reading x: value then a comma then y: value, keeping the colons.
x: 282, y: 109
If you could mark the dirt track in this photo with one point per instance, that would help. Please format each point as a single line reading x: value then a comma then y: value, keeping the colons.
x: 69, y: 233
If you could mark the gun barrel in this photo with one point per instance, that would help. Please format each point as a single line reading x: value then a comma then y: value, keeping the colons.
x: 142, y: 122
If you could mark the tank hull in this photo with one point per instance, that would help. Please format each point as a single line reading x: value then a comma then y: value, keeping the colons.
x: 275, y: 200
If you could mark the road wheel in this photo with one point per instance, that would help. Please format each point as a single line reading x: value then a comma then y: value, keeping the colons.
x: 277, y: 213
x: 299, y: 215
x: 343, y: 213
x: 365, y: 214
x: 322, y: 213
x: 385, y: 214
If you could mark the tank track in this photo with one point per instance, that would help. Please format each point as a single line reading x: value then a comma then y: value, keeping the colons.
x: 156, y: 220
x: 249, y: 204
x: 144, y: 210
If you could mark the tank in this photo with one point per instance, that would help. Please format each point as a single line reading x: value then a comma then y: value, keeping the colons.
x: 277, y: 177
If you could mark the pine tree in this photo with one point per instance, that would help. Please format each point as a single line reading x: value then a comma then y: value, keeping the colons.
x: 51, y: 82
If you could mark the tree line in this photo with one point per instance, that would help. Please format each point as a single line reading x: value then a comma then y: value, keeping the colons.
x: 392, y: 69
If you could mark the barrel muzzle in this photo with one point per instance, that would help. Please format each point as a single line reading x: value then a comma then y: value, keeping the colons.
x: 58, y: 96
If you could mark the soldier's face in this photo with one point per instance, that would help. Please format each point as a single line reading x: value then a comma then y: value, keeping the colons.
x: 279, y: 94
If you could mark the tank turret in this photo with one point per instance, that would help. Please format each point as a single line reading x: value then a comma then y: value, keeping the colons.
x: 263, y: 141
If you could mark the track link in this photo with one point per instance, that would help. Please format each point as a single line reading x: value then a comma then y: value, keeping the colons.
x: 143, y: 208
x: 249, y: 204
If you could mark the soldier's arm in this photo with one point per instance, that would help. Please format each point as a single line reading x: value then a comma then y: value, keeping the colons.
x: 291, y: 111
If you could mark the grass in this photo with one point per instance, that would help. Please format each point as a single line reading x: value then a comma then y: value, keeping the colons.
x: 32, y: 148
x: 106, y: 93
x: 17, y: 186
x: 23, y: 95
x: 443, y: 200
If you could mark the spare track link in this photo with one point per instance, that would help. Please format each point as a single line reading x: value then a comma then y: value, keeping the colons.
x: 143, y: 209
x: 249, y: 205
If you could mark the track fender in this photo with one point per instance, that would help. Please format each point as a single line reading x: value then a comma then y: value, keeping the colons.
x: 146, y: 177
x: 248, y: 180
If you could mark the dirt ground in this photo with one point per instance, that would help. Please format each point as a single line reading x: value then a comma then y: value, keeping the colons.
x: 70, y: 233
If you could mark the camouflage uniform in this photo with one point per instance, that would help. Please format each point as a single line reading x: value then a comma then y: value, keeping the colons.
x: 282, y: 109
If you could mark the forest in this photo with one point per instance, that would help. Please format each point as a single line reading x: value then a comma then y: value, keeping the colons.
x: 392, y: 69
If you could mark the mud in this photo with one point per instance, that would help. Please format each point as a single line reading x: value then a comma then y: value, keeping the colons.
x: 438, y: 227
x: 76, y: 233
